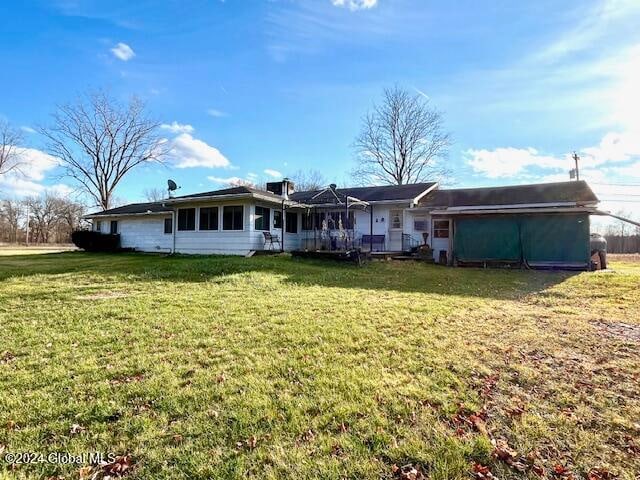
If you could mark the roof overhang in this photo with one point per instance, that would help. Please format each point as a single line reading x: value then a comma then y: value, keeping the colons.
x: 489, y: 211
x: 430, y: 189
x: 107, y: 215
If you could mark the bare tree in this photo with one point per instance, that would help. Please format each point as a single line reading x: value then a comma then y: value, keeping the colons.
x: 10, y: 215
x: 401, y: 141
x: 10, y: 140
x: 306, y: 180
x: 99, y: 141
x: 154, y: 194
x: 52, y: 218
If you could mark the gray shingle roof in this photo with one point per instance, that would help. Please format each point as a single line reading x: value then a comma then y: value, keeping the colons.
x: 230, y: 191
x: 512, y: 195
x: 135, y: 208
x: 368, y: 194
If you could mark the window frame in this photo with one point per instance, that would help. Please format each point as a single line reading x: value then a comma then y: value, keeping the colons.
x: 99, y: 226
x: 113, y: 231
x: 224, y: 229
x: 266, y: 226
x: 400, y: 216
x: 287, y: 223
x: 215, y: 217
x: 437, y: 229
x: 277, y: 219
x: 170, y: 219
x: 187, y: 229
x: 424, y: 221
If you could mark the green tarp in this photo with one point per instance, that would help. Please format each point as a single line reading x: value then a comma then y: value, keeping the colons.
x: 557, y: 238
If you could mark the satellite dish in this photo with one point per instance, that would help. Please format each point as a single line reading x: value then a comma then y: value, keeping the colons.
x: 171, y: 186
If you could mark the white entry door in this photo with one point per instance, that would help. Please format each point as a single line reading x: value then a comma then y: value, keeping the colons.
x: 394, y: 242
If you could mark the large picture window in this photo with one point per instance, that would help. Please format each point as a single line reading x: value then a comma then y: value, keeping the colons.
x: 209, y: 218
x: 441, y: 229
x: 262, y: 218
x: 233, y: 217
x: 186, y: 219
x: 292, y: 222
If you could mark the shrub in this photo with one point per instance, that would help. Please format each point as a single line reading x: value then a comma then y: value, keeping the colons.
x: 95, y: 241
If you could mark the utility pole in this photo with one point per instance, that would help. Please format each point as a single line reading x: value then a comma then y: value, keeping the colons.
x: 576, y: 158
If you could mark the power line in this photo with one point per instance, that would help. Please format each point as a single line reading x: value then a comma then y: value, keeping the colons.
x: 617, y: 184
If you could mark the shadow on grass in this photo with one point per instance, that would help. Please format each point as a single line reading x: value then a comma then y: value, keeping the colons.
x: 394, y: 276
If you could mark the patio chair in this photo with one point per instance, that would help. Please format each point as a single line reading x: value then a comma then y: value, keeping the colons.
x: 270, y: 239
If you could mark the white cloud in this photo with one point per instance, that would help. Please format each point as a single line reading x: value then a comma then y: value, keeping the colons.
x: 26, y: 128
x: 34, y: 165
x: 216, y: 113
x: 175, y: 127
x: 273, y: 173
x: 123, y: 52
x: 510, y: 162
x: 355, y: 4
x: 232, y: 181
x: 614, y: 147
x: 188, y: 152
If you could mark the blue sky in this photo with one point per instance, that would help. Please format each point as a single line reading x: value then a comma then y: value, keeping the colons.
x: 253, y: 88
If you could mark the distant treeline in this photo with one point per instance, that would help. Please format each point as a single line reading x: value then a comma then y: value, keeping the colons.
x: 623, y: 244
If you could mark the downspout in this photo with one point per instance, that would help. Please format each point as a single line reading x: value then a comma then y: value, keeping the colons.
x: 283, y: 221
x: 173, y: 228
x: 371, y: 230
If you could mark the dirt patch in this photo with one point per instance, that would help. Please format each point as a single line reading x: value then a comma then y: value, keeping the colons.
x: 102, y: 296
x: 623, y: 331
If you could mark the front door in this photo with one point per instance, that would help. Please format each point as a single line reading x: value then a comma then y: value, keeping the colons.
x: 395, y: 231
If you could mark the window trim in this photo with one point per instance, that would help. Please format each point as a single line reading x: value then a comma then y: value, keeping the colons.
x: 425, y: 222
x: 178, y: 229
x: 279, y: 212
x: 436, y: 229
x: 217, y: 217
x: 98, y: 226
x: 255, y: 218
x: 233, y: 230
x: 111, y: 229
x: 164, y: 225
x: 391, y: 227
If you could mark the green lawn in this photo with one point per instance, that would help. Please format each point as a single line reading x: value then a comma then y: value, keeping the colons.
x: 271, y: 367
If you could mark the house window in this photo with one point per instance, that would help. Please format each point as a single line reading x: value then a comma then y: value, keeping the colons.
x: 186, y: 219
x: 292, y: 222
x: 98, y: 226
x: 441, y: 229
x: 395, y: 219
x: 420, y: 223
x: 262, y: 218
x: 209, y: 218
x: 168, y: 225
x: 113, y: 228
x: 277, y: 219
x: 307, y: 221
x: 232, y: 217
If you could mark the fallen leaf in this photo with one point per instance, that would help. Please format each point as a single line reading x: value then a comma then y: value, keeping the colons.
x: 118, y: 467
x: 600, y: 474
x: 503, y: 452
x: 76, y: 429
